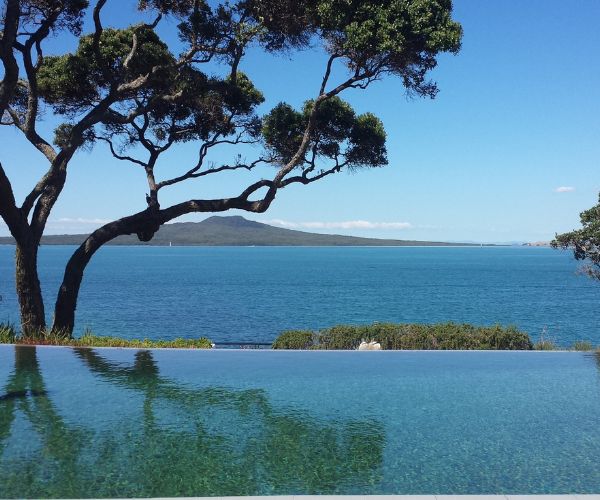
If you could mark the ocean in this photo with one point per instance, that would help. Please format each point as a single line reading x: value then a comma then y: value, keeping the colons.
x: 250, y: 294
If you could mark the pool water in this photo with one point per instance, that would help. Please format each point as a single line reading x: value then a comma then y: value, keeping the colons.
x: 128, y: 423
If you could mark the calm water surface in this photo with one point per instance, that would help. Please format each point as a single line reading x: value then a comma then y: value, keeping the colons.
x: 251, y: 294
x: 126, y: 423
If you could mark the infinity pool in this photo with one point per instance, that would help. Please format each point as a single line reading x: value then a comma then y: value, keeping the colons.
x: 127, y: 423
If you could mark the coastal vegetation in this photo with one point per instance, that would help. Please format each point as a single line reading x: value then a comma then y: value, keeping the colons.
x: 391, y: 336
x: 584, y: 242
x: 442, y: 336
x: 409, y: 336
x: 140, y: 96
x: 8, y: 335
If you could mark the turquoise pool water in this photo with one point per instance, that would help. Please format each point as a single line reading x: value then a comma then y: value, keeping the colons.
x: 113, y: 422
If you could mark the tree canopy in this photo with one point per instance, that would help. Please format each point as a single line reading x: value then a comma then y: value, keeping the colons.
x: 584, y: 242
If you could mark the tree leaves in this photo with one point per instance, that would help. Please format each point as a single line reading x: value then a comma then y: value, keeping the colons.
x: 391, y: 36
x: 584, y: 242
x: 339, y: 134
x: 73, y: 81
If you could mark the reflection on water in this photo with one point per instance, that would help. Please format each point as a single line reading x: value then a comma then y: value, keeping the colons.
x: 188, y: 441
x: 119, y: 423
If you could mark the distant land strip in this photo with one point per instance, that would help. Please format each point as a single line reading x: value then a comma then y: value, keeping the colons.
x: 237, y: 231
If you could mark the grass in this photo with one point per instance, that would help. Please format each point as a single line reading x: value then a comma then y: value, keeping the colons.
x: 8, y: 335
x: 545, y: 345
x: 582, y: 345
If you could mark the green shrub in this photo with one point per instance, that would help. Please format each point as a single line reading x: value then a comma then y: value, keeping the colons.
x: 391, y: 336
x: 341, y: 337
x: 582, y: 345
x: 294, y: 339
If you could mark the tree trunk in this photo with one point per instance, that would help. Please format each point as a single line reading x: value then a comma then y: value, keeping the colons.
x: 144, y: 224
x: 66, y: 301
x: 29, y: 291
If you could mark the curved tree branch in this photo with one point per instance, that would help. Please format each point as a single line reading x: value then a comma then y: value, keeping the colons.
x: 8, y: 209
x: 8, y: 38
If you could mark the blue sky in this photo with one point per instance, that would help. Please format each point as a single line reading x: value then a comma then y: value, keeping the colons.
x: 508, y: 151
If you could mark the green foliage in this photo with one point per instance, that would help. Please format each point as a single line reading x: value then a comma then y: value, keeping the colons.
x: 401, y: 37
x: 584, y: 242
x: 202, y: 107
x: 339, y: 134
x: 393, y: 36
x: 282, y: 130
x: 7, y: 333
x: 372, y: 38
x: 88, y: 339
x: 73, y: 81
x: 295, y: 339
x: 180, y: 7
x: 284, y: 23
x: 367, y: 139
x: 443, y: 336
x: 67, y: 14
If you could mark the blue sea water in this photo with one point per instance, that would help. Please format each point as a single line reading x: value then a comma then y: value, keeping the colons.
x: 126, y: 423
x: 252, y: 294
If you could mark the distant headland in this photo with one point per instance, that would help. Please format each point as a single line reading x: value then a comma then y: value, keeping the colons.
x: 237, y: 231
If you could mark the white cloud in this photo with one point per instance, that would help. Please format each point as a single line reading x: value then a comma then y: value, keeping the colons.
x: 81, y: 220
x: 564, y: 189
x: 351, y: 224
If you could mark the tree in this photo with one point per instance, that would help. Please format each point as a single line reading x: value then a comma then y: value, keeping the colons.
x: 128, y: 89
x: 584, y: 242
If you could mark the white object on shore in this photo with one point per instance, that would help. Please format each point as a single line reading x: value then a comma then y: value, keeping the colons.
x: 369, y: 346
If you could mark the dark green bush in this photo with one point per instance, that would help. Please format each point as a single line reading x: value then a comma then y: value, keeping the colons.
x: 391, y: 336
x: 294, y: 339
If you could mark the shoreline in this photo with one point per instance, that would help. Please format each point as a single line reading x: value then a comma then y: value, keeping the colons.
x: 405, y: 351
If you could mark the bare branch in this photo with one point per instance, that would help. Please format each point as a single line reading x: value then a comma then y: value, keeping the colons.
x: 202, y: 173
x: 304, y: 179
x: 50, y: 187
x: 332, y: 58
x: 34, y: 138
x: 154, y: 23
x: 134, y: 45
x: 8, y: 209
x: 118, y: 156
x: 98, y: 27
x: 11, y: 68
